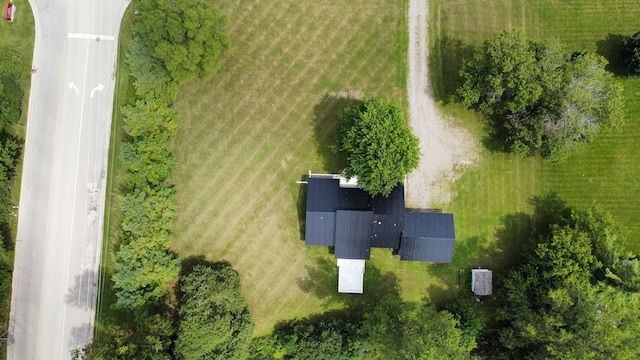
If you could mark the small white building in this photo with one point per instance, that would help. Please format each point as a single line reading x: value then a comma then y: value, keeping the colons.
x: 350, y: 276
x: 481, y: 282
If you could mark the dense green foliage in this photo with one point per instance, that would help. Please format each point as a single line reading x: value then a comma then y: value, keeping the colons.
x: 214, y: 320
x: 570, y: 298
x: 631, y: 53
x: 415, y: 331
x: 148, y: 338
x: 172, y: 41
x: 211, y: 322
x: 375, y: 325
x: 545, y: 100
x: 379, y: 145
x: 144, y: 265
x: 187, y: 37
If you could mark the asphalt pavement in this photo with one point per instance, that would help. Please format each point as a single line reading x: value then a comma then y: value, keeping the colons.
x: 61, y: 210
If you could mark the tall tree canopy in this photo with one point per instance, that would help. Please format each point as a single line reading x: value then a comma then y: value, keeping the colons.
x: 214, y: 319
x: 379, y: 145
x: 411, y: 330
x: 187, y: 36
x: 547, y: 101
x: 631, y: 53
x: 565, y: 302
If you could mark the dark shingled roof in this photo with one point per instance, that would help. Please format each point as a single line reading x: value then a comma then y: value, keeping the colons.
x: 386, y: 231
x: 428, y: 224
x: 426, y: 249
x: 390, y: 205
x: 354, y: 199
x: 323, y: 195
x: 320, y: 228
x: 353, y: 234
x: 427, y: 237
x: 352, y: 221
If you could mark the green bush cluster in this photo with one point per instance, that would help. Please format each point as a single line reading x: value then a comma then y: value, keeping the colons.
x: 172, y: 42
x: 545, y: 100
x: 212, y: 322
x: 144, y: 264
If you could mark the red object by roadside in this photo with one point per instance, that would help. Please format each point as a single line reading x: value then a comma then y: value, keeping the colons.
x: 9, y: 11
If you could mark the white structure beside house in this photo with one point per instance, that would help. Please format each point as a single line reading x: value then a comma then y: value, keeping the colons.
x: 350, y: 276
x: 481, y: 282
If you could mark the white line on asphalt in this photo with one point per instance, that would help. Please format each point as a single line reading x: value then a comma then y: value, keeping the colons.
x: 90, y: 36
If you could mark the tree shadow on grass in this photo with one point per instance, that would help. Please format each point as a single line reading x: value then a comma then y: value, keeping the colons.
x: 611, y: 49
x: 515, y: 234
x: 321, y: 280
x: 496, y: 135
x: 83, y: 291
x: 448, y: 57
x: 327, y: 115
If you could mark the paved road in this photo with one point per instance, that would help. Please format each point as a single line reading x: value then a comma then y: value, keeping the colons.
x: 60, y: 220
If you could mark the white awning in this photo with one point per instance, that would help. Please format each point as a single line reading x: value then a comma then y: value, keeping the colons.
x: 350, y: 276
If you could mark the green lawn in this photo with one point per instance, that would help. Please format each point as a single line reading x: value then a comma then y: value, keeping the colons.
x: 493, y: 199
x: 250, y: 131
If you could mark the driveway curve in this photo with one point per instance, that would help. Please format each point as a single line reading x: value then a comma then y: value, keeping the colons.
x: 60, y: 220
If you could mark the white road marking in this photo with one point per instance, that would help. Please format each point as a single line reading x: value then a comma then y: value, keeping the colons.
x: 90, y: 36
x: 73, y: 86
x: 97, y: 88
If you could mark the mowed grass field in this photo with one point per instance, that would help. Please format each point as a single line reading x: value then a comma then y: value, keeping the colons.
x: 253, y: 129
x: 493, y: 199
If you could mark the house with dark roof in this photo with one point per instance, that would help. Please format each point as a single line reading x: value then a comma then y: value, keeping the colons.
x: 340, y: 214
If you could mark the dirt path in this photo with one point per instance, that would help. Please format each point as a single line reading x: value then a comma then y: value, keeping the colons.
x: 446, y: 150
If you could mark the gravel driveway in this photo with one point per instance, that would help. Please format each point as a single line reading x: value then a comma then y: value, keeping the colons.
x: 446, y: 149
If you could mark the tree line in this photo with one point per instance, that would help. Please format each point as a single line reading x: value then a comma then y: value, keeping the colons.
x: 172, y: 42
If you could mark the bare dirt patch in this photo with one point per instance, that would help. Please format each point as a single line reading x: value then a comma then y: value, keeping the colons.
x: 446, y: 149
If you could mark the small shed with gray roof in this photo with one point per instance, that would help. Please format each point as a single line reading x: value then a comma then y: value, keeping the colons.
x: 482, y: 282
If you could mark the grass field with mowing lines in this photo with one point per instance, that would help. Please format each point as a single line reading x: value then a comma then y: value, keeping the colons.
x: 250, y: 131
x: 493, y: 198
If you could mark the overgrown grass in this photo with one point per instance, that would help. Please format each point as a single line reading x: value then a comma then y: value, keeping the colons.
x: 493, y: 197
x: 253, y: 129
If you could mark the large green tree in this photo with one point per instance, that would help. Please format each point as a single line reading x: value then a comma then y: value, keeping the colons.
x: 214, y: 319
x: 186, y: 36
x: 413, y: 330
x: 545, y: 100
x: 144, y: 268
x: 558, y: 303
x: 378, y: 144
